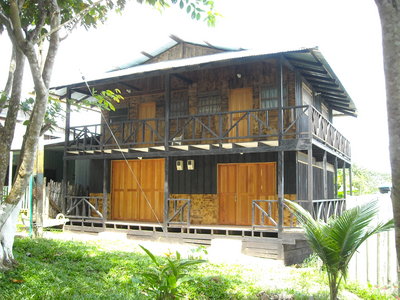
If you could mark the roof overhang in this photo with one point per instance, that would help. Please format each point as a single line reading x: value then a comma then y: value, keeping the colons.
x: 310, y: 63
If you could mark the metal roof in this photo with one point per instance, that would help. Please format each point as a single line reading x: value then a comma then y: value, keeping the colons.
x: 310, y: 63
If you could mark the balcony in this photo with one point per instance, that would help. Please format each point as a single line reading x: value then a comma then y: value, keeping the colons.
x: 267, y: 126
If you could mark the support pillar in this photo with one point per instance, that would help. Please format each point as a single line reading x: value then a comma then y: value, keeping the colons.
x: 310, y: 178
x: 281, y: 190
x: 65, y: 161
x: 335, y: 193
x: 344, y: 181
x: 325, y: 175
x: 167, y: 98
x: 351, y: 180
x: 105, y: 190
x: 281, y: 154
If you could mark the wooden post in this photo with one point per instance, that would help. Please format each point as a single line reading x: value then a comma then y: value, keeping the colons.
x: 344, y: 180
x: 281, y: 190
x: 167, y: 96
x: 351, y: 180
x: 66, y: 143
x: 281, y: 154
x: 325, y: 175
x: 105, y: 191
x: 336, y: 178
x: 310, y: 178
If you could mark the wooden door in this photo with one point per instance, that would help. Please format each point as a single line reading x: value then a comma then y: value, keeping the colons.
x: 239, y: 185
x: 137, y: 190
x: 146, y: 110
x: 239, y: 99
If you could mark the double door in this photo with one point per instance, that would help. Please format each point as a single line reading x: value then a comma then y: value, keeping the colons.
x: 137, y: 190
x: 240, y: 184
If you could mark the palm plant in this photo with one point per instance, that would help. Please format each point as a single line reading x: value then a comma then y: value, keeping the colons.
x: 336, y: 241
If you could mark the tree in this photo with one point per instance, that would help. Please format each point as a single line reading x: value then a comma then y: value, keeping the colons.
x: 30, y: 24
x: 389, y: 12
x: 336, y: 241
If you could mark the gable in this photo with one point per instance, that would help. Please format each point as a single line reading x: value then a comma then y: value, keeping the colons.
x: 183, y: 50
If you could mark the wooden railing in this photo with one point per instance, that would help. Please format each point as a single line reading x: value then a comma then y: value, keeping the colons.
x: 83, y: 207
x: 324, y: 131
x: 179, y: 212
x: 233, y: 126
x: 265, y: 212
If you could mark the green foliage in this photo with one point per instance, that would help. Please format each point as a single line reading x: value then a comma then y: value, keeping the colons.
x: 54, y: 111
x: 50, y: 269
x: 364, y: 181
x: 105, y: 99
x: 165, y: 278
x: 336, y: 241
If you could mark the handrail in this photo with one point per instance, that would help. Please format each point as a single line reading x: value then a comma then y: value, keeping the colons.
x: 299, y: 122
x: 82, y: 207
x: 179, y: 211
x: 265, y: 212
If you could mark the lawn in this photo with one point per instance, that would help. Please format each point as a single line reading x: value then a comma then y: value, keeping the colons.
x: 55, y: 269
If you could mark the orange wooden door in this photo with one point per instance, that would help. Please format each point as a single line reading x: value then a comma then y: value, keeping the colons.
x: 137, y: 190
x: 146, y: 110
x: 239, y: 185
x: 239, y: 99
x: 227, y: 184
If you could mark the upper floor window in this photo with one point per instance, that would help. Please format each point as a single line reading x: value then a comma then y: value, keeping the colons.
x: 306, y: 95
x: 119, y: 114
x: 209, y: 103
x: 269, y: 97
x: 179, y: 104
x: 325, y: 111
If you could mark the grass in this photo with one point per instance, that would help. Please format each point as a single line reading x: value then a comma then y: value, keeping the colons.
x: 53, y: 269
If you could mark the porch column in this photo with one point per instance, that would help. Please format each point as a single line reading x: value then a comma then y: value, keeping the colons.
x: 66, y: 143
x: 167, y: 98
x: 281, y: 189
x: 105, y: 190
x: 325, y: 175
x: 310, y: 177
x: 335, y: 194
x: 344, y: 180
x: 281, y: 154
x: 351, y: 180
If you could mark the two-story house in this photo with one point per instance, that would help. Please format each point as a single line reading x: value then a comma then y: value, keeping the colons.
x: 207, y: 143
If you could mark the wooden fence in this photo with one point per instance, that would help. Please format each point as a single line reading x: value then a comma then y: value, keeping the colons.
x: 375, y: 262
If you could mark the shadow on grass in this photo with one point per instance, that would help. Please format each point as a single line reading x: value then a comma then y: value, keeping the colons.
x: 52, y: 269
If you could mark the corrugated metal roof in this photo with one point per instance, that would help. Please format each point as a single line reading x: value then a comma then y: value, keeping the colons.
x: 309, y: 61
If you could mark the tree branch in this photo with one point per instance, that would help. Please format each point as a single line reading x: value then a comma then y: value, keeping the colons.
x: 53, y: 43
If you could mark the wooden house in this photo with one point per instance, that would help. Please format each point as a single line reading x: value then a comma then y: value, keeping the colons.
x: 207, y: 143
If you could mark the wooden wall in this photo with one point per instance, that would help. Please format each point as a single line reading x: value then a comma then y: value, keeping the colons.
x: 318, y: 191
x: 219, y: 80
x: 203, y: 179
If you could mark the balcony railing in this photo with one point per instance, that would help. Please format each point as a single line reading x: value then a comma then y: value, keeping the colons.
x: 265, y: 212
x: 213, y: 128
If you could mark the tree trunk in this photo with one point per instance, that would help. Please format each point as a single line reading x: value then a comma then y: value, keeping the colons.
x: 7, y: 131
x: 390, y: 22
x: 9, y: 209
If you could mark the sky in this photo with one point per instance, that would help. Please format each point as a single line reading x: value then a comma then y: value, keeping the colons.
x: 347, y: 33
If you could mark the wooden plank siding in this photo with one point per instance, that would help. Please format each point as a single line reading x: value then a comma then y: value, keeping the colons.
x: 220, y: 81
x: 203, y: 179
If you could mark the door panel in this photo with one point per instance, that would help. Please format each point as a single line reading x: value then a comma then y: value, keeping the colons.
x: 147, y: 110
x: 240, y: 99
x: 227, y: 193
x: 239, y: 185
x: 138, y: 190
